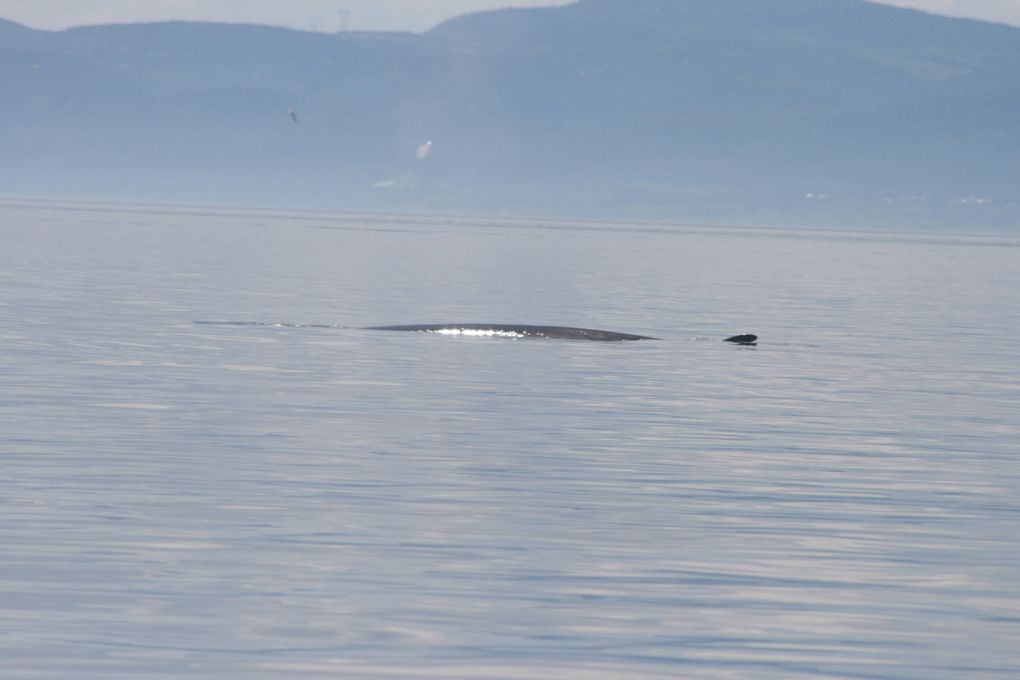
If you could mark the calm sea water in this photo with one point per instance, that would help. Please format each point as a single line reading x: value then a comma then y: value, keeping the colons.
x: 207, y: 500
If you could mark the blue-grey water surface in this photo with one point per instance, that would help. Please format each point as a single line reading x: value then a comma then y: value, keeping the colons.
x: 211, y: 500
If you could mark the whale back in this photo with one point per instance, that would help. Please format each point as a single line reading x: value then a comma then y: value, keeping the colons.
x: 517, y: 331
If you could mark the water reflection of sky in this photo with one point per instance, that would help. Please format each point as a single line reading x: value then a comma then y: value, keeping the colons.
x: 258, y: 500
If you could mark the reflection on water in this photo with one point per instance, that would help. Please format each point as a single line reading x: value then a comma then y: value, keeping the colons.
x: 301, y: 498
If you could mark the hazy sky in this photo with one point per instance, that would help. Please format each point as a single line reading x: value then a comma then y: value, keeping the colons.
x: 331, y: 15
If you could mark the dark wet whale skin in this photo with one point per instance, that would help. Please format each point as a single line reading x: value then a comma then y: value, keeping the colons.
x: 743, y: 339
x: 510, y: 330
x: 522, y: 330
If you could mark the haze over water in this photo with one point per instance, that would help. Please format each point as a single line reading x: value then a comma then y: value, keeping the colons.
x: 213, y: 500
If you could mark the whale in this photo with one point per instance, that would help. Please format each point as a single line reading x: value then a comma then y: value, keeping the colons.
x: 509, y: 330
x: 503, y: 330
x: 530, y: 331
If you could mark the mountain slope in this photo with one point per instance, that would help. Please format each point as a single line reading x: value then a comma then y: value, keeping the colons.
x: 681, y: 109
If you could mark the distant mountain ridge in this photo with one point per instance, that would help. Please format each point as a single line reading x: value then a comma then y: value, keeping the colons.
x: 820, y: 111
